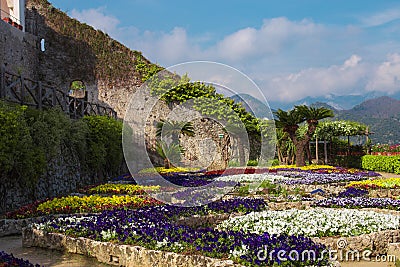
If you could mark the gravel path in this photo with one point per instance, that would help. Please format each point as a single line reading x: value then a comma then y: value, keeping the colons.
x: 389, y: 175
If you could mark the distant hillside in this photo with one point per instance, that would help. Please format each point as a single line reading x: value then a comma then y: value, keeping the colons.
x: 253, y: 105
x: 339, y: 102
x: 382, y: 114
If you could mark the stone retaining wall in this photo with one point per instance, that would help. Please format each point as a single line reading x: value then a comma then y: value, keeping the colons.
x: 330, y: 189
x: 393, y: 251
x: 62, y: 176
x: 377, y: 243
x: 114, y: 254
x: 14, y: 227
x: 384, y: 193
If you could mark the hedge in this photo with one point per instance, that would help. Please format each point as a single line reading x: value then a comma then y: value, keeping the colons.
x: 381, y: 163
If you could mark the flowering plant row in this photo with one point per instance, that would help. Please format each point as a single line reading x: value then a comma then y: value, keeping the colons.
x: 358, y: 202
x: 7, y: 260
x: 319, y: 178
x: 93, y: 203
x: 384, y: 183
x: 353, y: 192
x: 154, y: 228
x: 312, y: 222
x: 385, y: 148
x: 130, y: 189
x: 75, y: 204
x: 163, y: 170
x: 304, y: 168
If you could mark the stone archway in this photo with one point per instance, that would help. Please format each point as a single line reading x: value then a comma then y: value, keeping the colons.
x: 77, y: 89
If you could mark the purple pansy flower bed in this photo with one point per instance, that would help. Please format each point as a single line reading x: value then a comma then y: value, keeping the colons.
x: 319, y: 178
x: 353, y: 192
x: 155, y: 228
x: 358, y: 202
x: 8, y: 260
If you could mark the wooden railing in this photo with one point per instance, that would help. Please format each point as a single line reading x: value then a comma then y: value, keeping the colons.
x: 24, y: 91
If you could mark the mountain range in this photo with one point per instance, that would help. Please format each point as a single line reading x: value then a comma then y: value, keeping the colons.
x: 380, y: 113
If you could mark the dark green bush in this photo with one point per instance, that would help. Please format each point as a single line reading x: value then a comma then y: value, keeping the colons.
x: 20, y: 158
x: 30, y: 139
x: 104, y: 144
x: 381, y: 163
x: 348, y: 161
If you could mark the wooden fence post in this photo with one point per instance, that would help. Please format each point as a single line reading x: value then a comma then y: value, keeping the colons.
x: 2, y: 81
x: 40, y: 95
x: 22, y: 90
x: 82, y: 107
x: 54, y: 99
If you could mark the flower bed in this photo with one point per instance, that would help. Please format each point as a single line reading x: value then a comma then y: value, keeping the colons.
x: 122, y: 189
x: 315, y: 222
x: 85, y: 204
x: 353, y: 192
x: 307, y: 178
x: 250, y: 178
x: 358, y: 202
x: 323, y: 169
x: 93, y: 203
x: 154, y: 228
x: 8, y: 260
x: 386, y: 183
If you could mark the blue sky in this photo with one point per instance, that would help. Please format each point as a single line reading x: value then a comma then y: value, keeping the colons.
x: 291, y: 49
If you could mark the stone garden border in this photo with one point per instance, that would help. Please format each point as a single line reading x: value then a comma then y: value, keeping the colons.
x: 115, y: 254
x: 377, y: 243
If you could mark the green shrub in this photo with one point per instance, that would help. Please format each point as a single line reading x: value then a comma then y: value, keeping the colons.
x: 252, y: 163
x: 104, y: 144
x: 30, y: 138
x: 381, y: 163
x: 20, y: 158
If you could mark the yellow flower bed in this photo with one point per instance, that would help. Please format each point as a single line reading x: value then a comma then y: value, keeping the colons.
x: 385, y: 183
x: 305, y: 168
x: 92, y: 203
x: 163, y: 170
x: 130, y: 189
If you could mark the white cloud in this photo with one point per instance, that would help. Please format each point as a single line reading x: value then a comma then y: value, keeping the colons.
x: 97, y: 18
x: 386, y: 77
x: 271, y: 38
x: 381, y: 18
x: 342, y: 79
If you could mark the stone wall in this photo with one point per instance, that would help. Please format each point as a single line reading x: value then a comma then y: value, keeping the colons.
x: 63, y: 176
x: 19, y: 51
x: 119, y: 255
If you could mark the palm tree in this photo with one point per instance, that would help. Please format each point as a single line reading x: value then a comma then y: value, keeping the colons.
x: 174, y: 129
x: 312, y: 115
x: 173, y: 151
x: 289, y: 121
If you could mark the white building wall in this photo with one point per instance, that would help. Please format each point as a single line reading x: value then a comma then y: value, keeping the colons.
x: 14, y: 9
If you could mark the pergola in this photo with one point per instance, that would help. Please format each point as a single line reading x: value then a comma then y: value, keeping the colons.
x: 328, y: 129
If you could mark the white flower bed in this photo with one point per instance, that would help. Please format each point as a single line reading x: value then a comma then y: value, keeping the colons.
x: 257, y: 177
x: 313, y: 222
